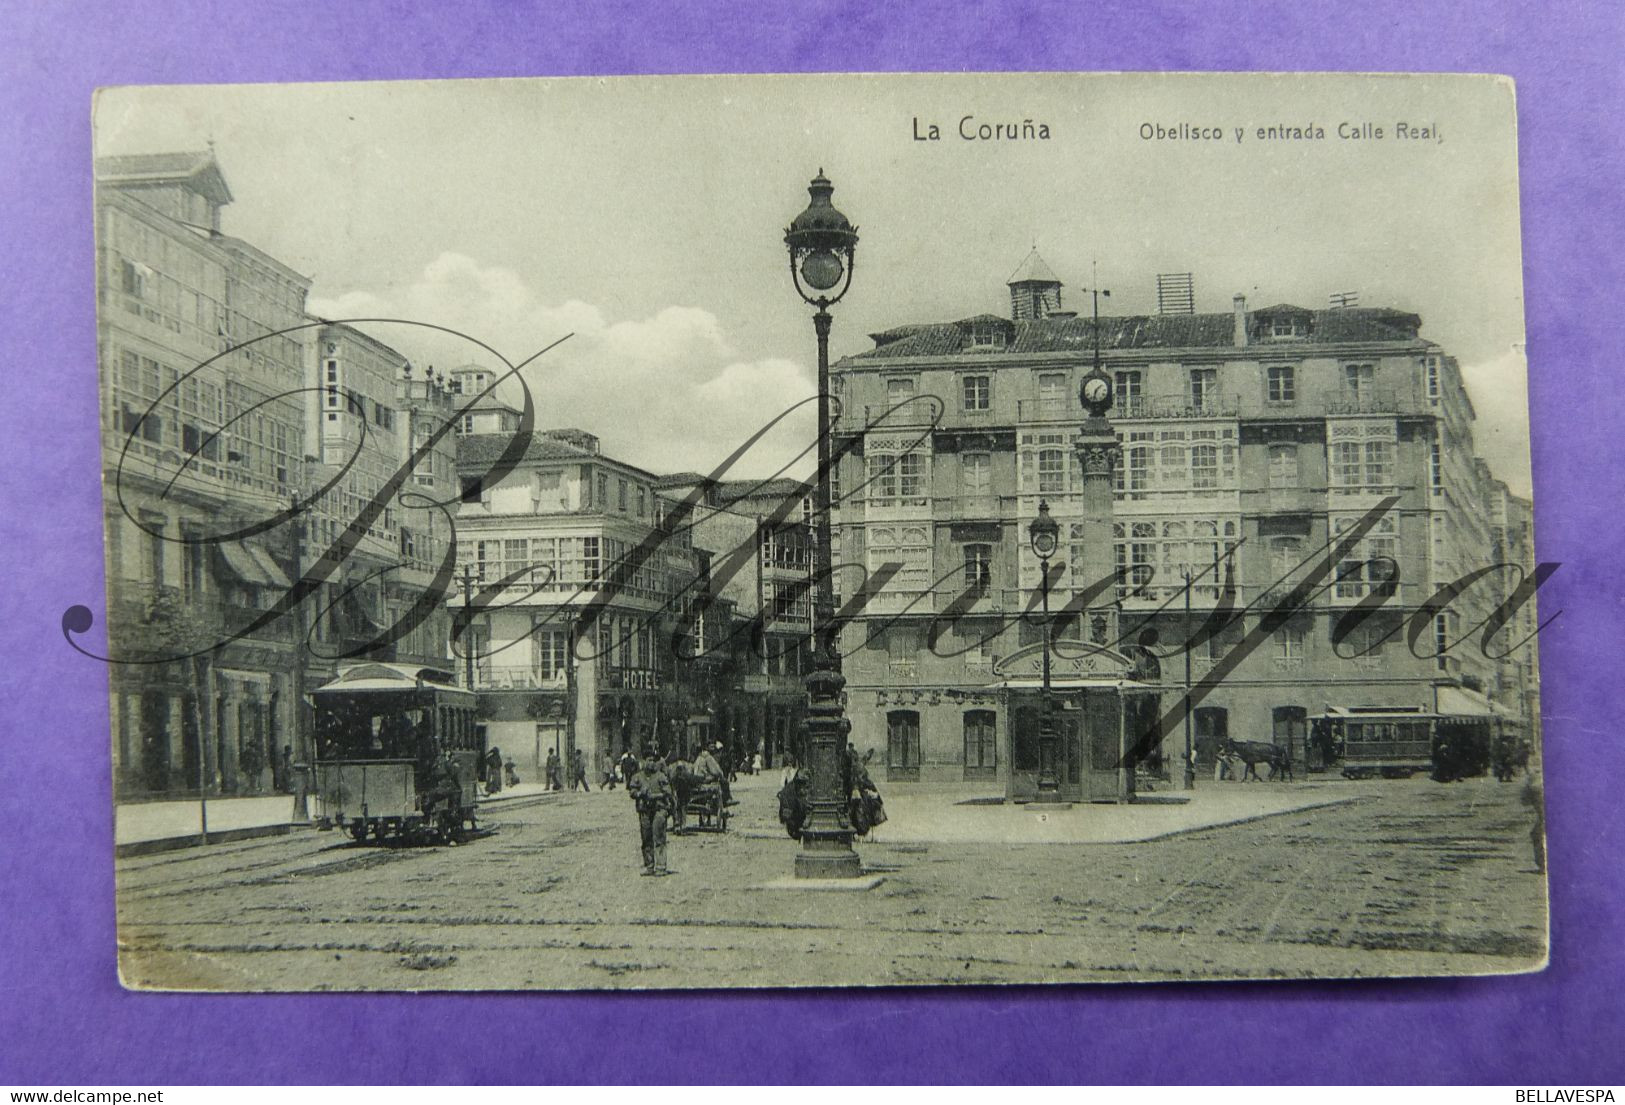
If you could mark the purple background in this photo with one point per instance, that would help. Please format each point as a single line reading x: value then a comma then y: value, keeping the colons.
x: 63, y: 1017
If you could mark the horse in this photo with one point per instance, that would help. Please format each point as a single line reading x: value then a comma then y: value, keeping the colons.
x: 1253, y: 753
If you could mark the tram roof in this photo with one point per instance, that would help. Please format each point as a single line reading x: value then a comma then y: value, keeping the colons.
x: 381, y: 676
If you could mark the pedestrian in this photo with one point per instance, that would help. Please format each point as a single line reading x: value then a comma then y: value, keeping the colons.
x: 512, y: 772
x: 285, y: 764
x: 1536, y: 802
x: 756, y: 764
x: 578, y: 771
x: 553, y: 776
x: 709, y: 772
x: 651, y: 793
x: 629, y: 767
x: 608, y: 778
x: 493, y: 771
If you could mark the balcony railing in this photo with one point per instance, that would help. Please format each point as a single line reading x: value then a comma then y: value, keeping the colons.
x: 1363, y: 401
x: 1069, y: 410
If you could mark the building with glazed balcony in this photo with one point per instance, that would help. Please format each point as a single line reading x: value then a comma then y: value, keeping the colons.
x: 1250, y: 440
x: 762, y: 553
x: 568, y: 547
x: 215, y: 417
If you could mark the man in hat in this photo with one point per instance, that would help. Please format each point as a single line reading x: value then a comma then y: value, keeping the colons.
x: 652, y: 795
x: 709, y: 772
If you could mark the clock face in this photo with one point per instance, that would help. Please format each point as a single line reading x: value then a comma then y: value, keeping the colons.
x: 1096, y: 390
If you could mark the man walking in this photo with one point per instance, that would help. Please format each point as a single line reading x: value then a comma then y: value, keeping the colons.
x: 651, y: 793
x: 578, y: 772
x: 553, y: 782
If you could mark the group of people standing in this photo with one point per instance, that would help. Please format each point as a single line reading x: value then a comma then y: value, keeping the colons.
x: 578, y: 771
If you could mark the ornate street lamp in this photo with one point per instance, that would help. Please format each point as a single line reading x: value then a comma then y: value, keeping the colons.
x: 1043, y: 532
x: 822, y: 244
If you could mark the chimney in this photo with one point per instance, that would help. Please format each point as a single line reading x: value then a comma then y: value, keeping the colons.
x: 1241, y: 318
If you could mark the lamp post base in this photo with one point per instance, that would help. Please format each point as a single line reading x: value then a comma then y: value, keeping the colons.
x: 828, y: 858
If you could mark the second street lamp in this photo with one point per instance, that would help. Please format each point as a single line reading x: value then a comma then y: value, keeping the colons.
x: 822, y: 245
x: 1043, y: 533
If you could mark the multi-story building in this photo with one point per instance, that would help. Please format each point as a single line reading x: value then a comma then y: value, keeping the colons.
x: 1250, y: 440
x: 202, y: 437
x: 761, y: 545
x: 568, y: 546
x: 211, y: 425
x: 370, y: 415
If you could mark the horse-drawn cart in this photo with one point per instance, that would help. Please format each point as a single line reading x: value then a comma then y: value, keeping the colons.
x: 706, y: 806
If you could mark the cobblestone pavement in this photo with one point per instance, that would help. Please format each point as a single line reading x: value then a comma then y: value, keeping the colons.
x: 1413, y: 878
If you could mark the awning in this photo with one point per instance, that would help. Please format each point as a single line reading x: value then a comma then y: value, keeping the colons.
x: 1459, y: 702
x: 243, y: 564
x: 273, y: 570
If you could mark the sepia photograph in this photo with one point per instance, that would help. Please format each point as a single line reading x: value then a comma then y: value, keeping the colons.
x: 816, y: 531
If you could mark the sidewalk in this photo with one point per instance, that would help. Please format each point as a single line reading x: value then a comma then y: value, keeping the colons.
x: 141, y: 828
x: 948, y: 814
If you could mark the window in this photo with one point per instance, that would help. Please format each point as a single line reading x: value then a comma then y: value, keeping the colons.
x: 989, y: 334
x: 1286, y: 555
x: 1430, y: 370
x: 1204, y: 388
x: 1127, y: 391
x: 1204, y: 467
x: 1288, y: 644
x: 903, y: 744
x: 1051, y: 471
x: 1283, y: 466
x: 1357, y: 380
x: 899, y: 389
x: 1372, y: 566
x: 1436, y: 466
x: 468, y: 424
x: 908, y: 546
x: 975, y: 475
x: 1152, y: 556
x: 981, y: 755
x: 332, y: 372
x: 623, y: 496
x: 1052, y: 389
x: 893, y: 477
x: 978, y: 393
x: 133, y: 278
x: 603, y: 491
x: 1441, y: 639
x: 1361, y: 465
x: 1282, y: 383
x: 552, y: 648
x: 1288, y: 327
x: 978, y: 569
x: 643, y: 505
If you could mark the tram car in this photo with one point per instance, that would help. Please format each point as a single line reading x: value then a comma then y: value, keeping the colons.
x: 1396, y: 742
x: 396, y: 754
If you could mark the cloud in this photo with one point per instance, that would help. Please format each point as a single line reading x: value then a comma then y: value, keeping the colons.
x: 670, y: 392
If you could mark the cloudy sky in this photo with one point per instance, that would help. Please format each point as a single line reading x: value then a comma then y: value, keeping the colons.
x: 646, y: 216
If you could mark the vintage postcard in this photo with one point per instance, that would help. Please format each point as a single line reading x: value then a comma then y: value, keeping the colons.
x: 817, y: 531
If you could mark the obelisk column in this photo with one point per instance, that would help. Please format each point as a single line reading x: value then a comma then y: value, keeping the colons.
x: 1098, y: 455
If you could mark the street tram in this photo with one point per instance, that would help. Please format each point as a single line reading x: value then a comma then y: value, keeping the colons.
x: 396, y: 754
x: 1396, y: 742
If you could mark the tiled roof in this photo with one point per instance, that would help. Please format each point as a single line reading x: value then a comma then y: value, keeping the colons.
x: 1283, y: 309
x: 154, y: 165
x: 139, y: 168
x: 485, y: 449
x: 1063, y: 335
x: 1033, y: 270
